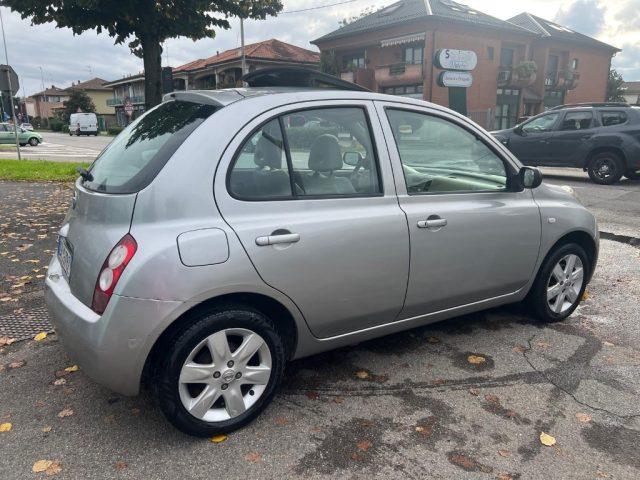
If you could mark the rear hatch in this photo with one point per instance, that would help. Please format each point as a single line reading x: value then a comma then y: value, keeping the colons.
x: 104, y: 198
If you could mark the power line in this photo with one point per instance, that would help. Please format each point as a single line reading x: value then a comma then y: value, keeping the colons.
x: 319, y: 7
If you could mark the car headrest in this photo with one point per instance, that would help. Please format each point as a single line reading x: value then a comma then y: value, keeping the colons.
x: 267, y: 154
x: 325, y: 154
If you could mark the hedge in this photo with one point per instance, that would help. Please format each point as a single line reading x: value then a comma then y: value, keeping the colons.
x: 114, y: 130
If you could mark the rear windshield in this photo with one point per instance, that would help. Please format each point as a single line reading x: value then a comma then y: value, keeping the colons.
x: 133, y: 159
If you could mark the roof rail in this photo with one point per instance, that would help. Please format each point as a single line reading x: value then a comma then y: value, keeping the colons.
x: 297, y: 77
x: 591, y: 104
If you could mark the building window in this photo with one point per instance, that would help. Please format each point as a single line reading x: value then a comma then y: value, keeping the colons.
x: 414, y: 55
x: 490, y: 53
x: 507, y: 102
x: 355, y: 60
x: 506, y: 57
x: 553, y: 98
x: 552, y: 70
x: 574, y: 64
x: 413, y: 91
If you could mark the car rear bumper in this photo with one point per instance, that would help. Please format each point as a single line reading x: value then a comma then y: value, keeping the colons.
x: 112, y: 348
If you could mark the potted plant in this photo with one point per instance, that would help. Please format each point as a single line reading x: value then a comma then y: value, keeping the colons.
x: 525, y: 72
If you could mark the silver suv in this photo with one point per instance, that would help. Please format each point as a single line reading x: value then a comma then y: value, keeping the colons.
x: 226, y: 232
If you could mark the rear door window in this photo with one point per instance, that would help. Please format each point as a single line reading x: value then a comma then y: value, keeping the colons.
x: 577, y: 121
x: 133, y: 159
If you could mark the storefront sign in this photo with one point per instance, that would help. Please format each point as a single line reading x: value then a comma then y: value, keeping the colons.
x: 449, y: 59
x: 455, y: 79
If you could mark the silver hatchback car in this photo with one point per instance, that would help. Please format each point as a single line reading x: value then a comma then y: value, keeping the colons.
x: 226, y: 232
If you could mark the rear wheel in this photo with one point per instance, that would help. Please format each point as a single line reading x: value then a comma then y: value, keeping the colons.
x: 221, y: 372
x: 606, y: 168
x: 560, y: 283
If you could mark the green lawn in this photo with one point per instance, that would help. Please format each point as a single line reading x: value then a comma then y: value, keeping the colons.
x: 39, y: 170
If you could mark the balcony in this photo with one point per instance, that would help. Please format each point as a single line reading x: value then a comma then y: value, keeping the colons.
x: 514, y: 78
x: 562, y: 80
x: 399, y: 74
x: 118, y: 102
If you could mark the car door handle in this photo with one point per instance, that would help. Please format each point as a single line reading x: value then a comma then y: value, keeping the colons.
x: 434, y: 223
x: 276, y: 239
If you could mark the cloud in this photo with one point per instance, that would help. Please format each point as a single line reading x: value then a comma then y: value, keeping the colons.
x: 628, y: 16
x: 584, y: 16
x: 627, y: 62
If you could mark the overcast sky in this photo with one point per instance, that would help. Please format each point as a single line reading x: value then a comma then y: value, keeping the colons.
x: 64, y: 57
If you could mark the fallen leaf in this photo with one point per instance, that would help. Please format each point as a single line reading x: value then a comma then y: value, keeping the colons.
x: 41, y: 336
x: 338, y: 400
x: 519, y: 349
x: 547, y: 439
x: 312, y: 395
x: 583, y: 417
x: 5, y: 427
x: 46, y: 429
x: 72, y: 368
x: 253, y: 457
x: 476, y: 359
x: 543, y: 344
x: 491, y: 398
x: 601, y: 474
x: 474, y: 391
x: 364, y: 445
x: 67, y: 412
x: 433, y: 339
x: 120, y: 465
x: 17, y: 364
x: 362, y: 374
x: 109, y: 418
x: 420, y: 429
x: 504, y: 453
x: 54, y: 468
x: 6, y: 341
x: 585, y: 296
x: 356, y: 457
x: 60, y: 381
x: 219, y: 438
x: 41, y: 466
x: 605, y: 343
x: 504, y: 476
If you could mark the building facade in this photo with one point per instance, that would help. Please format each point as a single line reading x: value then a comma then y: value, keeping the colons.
x: 224, y: 69
x: 632, y: 93
x: 100, y: 95
x: 126, y: 98
x: 44, y: 104
x: 525, y: 65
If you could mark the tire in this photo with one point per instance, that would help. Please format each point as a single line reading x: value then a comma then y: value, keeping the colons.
x: 33, y: 141
x: 190, y: 346
x: 23, y: 144
x: 632, y: 174
x: 538, y: 300
x: 606, y: 168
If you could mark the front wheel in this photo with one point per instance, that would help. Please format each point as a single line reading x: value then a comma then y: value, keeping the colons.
x: 33, y: 141
x: 560, y: 283
x: 221, y: 372
x: 606, y: 168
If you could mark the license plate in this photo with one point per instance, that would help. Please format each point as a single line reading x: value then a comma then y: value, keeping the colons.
x: 65, y: 256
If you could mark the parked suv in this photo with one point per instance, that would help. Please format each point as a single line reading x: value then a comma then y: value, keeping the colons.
x: 601, y: 138
x: 226, y: 232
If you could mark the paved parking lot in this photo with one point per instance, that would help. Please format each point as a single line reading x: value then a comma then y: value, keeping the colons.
x: 410, y: 405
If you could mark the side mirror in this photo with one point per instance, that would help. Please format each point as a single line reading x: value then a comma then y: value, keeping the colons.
x: 530, y: 177
x: 351, y: 158
x: 518, y: 130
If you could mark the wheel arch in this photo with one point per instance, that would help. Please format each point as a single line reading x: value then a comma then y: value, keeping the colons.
x: 282, y: 318
x: 582, y: 238
x: 605, y: 149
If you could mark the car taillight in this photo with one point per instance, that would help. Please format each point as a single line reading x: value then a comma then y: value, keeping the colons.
x: 111, y: 271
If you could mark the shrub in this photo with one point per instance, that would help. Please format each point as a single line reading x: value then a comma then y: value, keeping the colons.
x: 114, y: 130
x: 56, y: 125
x: 65, y: 128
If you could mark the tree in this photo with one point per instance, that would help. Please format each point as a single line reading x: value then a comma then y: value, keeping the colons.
x: 329, y: 63
x: 145, y: 24
x: 363, y: 13
x: 78, y: 101
x: 615, y: 87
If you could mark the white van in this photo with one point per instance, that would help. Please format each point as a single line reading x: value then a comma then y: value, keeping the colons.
x: 83, y: 124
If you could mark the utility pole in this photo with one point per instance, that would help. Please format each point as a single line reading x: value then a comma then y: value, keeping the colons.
x: 244, y: 61
x: 13, y: 109
x: 42, y: 79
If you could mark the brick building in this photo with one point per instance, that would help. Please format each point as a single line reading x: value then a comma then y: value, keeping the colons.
x: 525, y: 64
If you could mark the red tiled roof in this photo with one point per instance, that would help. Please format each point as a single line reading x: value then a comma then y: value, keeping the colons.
x: 268, y: 50
x: 96, y: 83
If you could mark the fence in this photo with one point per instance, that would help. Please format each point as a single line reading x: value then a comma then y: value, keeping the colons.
x: 484, y: 118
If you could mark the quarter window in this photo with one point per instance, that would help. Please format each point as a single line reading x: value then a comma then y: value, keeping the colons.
x: 325, y: 152
x: 439, y: 156
x: 609, y: 119
x: 577, y: 121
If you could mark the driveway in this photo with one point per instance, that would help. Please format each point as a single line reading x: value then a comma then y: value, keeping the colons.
x: 418, y: 404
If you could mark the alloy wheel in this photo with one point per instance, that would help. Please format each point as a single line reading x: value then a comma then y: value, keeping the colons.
x: 565, y: 283
x: 225, y: 374
x: 605, y: 168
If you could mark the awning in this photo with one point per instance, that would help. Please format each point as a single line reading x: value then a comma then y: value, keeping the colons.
x: 414, y: 37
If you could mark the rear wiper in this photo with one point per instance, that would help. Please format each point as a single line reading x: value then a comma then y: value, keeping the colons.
x: 85, y: 174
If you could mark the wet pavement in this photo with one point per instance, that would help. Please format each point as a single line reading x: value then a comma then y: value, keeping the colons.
x: 418, y: 404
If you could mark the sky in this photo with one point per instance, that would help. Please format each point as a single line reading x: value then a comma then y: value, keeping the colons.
x: 48, y: 55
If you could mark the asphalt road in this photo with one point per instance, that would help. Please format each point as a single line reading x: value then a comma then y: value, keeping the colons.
x: 60, y: 147
x: 410, y: 405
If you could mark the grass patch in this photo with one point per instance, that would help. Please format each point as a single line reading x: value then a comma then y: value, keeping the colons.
x: 39, y: 170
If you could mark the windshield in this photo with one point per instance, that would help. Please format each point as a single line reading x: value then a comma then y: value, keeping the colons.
x: 133, y: 159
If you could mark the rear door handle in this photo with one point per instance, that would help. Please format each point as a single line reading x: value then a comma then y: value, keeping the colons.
x: 435, y: 223
x: 276, y: 239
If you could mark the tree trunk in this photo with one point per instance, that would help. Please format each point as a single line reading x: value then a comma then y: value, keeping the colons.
x: 151, y: 54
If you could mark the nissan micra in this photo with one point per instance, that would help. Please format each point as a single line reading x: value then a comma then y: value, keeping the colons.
x: 226, y: 232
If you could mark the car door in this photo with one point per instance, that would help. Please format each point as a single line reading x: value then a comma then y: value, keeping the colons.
x: 330, y: 236
x: 572, y: 138
x: 473, y: 235
x: 532, y: 141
